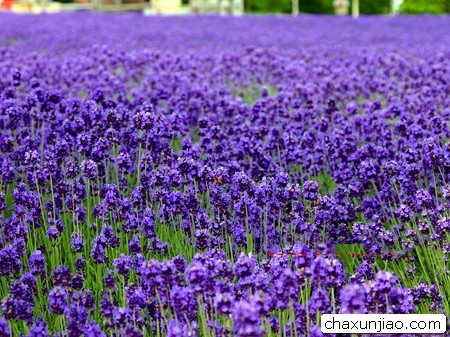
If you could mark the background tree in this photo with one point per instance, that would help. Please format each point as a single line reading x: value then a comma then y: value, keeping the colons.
x: 270, y: 6
x: 316, y: 6
x: 374, y: 6
x: 365, y: 6
x: 425, y: 6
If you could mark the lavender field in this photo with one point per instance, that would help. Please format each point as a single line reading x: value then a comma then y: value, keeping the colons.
x: 219, y: 176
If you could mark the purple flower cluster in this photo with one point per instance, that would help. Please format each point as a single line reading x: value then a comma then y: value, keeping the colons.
x: 138, y: 165
x: 247, y: 292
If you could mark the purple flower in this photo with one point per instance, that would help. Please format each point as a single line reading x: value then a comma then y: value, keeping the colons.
x: 319, y: 301
x: 80, y: 264
x: 58, y: 300
x: 202, y: 238
x: 37, y: 263
x: 353, y: 299
x: 39, y: 329
x: 62, y: 276
x: 384, y: 281
x: 176, y: 329
x: 98, y: 95
x: 53, y: 233
x: 183, y: 302
x: 4, y: 328
x: 77, y: 282
x: 132, y: 332
x: 124, y: 162
x: 98, y: 250
x: 311, y: 190
x: 137, y: 299
x: 92, y: 329
x: 77, y: 242
x: 315, y: 331
x: 224, y: 302
x: 445, y: 190
x: 401, y: 301
x: 135, y: 245
x: 245, y: 266
x: 246, y: 320
x: 122, y: 316
x: 106, y: 306
x: 327, y: 272
x: 404, y: 212
x: 122, y: 265
x: 89, y: 169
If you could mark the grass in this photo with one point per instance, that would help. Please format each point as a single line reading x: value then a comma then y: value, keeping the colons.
x: 252, y: 92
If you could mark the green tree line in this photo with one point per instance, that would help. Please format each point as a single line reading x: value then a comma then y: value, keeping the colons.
x: 426, y: 6
x: 365, y: 6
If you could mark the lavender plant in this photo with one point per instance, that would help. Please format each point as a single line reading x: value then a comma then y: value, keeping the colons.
x: 206, y: 176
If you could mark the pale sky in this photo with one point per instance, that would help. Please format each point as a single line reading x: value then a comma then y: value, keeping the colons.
x: 397, y: 4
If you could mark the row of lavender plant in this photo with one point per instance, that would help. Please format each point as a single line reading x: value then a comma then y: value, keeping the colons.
x: 143, y: 190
